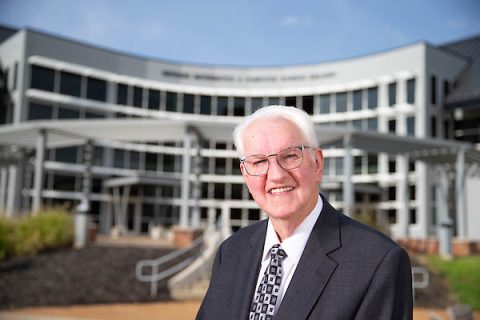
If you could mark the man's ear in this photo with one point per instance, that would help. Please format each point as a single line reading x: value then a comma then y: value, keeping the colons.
x: 318, y: 164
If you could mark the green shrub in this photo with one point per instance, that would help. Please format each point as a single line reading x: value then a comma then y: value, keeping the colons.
x: 6, y: 241
x: 48, y: 229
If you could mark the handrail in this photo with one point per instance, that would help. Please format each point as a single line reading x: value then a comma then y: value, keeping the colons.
x: 154, y: 277
x: 200, y: 268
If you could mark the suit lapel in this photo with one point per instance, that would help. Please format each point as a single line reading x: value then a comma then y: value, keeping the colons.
x: 314, y: 268
x: 249, y: 267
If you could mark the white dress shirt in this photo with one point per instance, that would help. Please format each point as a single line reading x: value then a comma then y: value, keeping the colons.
x: 293, y: 246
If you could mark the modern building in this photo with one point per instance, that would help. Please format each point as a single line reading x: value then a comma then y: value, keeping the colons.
x: 419, y: 91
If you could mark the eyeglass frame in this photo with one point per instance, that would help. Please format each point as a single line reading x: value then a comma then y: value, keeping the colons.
x: 302, y: 147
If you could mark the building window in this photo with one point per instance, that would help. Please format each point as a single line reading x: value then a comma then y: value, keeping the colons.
x: 96, y: 89
x: 392, y: 166
x: 273, y: 101
x: 94, y: 115
x: 222, y: 106
x: 42, y: 78
x: 291, y: 101
x: 372, y: 161
x: 433, y: 127
x: 339, y: 166
x: 357, y: 124
x: 413, y: 216
x: 357, y: 100
x: 392, y: 193
x: 411, y: 192
x: 188, y: 103
x: 67, y: 154
x: 169, y: 163
x: 118, y: 158
x: 137, y: 97
x: 70, y: 84
x: 37, y: 111
x: 433, y: 90
x: 239, y: 106
x: 446, y: 89
x: 392, y: 126
x: 392, y: 216
x: 325, y: 103
x: 153, y: 99
x: 151, y: 161
x: 372, y: 98
x: 392, y: 93
x: 410, y: 125
x: 326, y: 166
x: 205, y: 105
x: 122, y: 94
x: 64, y: 182
x: 341, y: 102
x: 411, y: 91
x: 372, y: 124
x: 358, y: 164
x: 256, y: 104
x: 307, y: 104
x: 15, y: 76
x: 134, y: 160
x: 65, y: 113
x: 171, y: 101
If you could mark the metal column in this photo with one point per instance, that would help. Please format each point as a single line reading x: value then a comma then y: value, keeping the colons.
x: 186, y: 167
x: 444, y: 220
x: 348, y: 191
x: 38, y: 178
x: 460, y: 193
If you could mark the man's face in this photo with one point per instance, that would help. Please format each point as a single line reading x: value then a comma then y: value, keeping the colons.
x: 288, y: 195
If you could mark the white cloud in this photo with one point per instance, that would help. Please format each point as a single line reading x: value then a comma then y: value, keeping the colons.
x: 293, y: 21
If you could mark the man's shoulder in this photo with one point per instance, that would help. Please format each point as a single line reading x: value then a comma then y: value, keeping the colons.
x: 245, y: 235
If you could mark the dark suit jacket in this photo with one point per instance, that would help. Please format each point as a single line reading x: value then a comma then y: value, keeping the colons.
x: 347, y: 271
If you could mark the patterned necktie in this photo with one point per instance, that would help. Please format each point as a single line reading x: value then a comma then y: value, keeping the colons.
x: 266, y: 297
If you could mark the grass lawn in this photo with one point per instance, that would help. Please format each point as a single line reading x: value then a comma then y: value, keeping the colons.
x: 463, y: 275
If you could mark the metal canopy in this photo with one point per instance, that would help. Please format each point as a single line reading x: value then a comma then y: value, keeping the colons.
x: 75, y: 132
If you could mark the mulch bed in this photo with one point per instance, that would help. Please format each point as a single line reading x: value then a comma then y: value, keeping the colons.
x: 95, y: 274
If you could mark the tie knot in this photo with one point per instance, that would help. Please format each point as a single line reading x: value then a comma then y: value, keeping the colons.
x: 277, y: 252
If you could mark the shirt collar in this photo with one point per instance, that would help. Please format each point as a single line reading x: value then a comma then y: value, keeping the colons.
x: 294, y: 244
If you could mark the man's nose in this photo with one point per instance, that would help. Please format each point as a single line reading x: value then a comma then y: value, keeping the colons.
x: 274, y: 169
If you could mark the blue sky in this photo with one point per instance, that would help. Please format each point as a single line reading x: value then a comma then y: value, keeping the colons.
x: 248, y: 32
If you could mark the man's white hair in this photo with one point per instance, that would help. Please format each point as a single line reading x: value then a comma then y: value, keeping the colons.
x: 298, y: 117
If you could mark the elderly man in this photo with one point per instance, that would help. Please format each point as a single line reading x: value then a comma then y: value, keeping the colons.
x: 306, y: 261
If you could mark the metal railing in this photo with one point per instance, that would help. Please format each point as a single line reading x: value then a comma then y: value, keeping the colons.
x: 155, y: 276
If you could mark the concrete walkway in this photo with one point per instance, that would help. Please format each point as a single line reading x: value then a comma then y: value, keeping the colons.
x: 149, y: 311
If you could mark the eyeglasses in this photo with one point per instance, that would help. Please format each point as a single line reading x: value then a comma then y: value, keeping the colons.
x: 287, y: 159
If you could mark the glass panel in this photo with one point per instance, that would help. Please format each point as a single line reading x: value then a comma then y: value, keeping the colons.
x: 307, y: 104
x: 341, y: 101
x: 188, y: 103
x: 357, y: 124
x: 372, y: 124
x: 273, y: 101
x: 94, y: 115
x: 325, y: 103
x: 411, y: 126
x: 357, y: 164
x: 70, y: 84
x: 357, y: 100
x: 256, y: 104
x: 122, y: 94
x: 291, y: 101
x: 392, y: 126
x: 118, y: 158
x: 98, y: 155
x: 63, y: 182
x: 96, y: 89
x: 372, y: 163
x: 372, y: 98
x: 339, y: 166
x: 137, y: 96
x: 168, y: 163
x: 171, y: 101
x: 205, y: 105
x: 151, y: 161
x: 42, y: 78
x: 37, y: 111
x: 67, y: 154
x: 65, y: 113
x: 411, y: 91
x: 239, y: 106
x: 392, y: 94
x: 153, y: 99
x: 433, y: 89
x: 134, y: 160
x: 222, y: 106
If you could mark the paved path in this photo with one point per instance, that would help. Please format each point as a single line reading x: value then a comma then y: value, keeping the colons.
x: 149, y: 311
